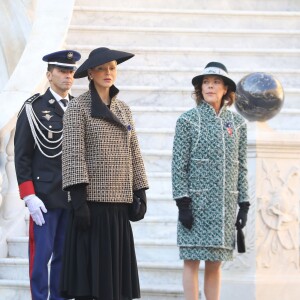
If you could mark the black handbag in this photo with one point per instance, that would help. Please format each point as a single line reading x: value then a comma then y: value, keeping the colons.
x: 241, y: 247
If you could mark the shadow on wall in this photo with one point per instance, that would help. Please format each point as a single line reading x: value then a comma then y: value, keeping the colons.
x: 16, y: 22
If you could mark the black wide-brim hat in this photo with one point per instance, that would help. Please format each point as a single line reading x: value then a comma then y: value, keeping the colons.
x: 100, y: 56
x: 217, y: 69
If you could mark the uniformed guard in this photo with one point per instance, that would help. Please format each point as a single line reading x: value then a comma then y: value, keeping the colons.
x: 38, y: 140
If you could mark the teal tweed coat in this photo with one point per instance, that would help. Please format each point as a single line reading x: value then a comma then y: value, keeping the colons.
x: 210, y: 166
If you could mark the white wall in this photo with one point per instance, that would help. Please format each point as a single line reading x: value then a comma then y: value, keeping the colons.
x: 16, y: 19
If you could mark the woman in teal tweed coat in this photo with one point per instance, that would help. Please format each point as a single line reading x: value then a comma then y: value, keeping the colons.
x: 209, y: 177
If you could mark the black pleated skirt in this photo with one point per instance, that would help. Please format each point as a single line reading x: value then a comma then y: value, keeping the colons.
x: 100, y: 263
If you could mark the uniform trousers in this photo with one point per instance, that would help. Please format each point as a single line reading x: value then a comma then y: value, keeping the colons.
x: 46, y: 242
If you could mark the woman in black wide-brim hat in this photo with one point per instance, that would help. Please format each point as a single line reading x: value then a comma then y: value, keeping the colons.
x: 104, y: 172
x: 209, y: 178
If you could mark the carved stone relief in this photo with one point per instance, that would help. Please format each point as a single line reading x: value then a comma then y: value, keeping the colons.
x: 278, y: 216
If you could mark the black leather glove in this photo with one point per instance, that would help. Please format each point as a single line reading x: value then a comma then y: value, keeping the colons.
x: 185, y: 212
x: 241, y: 218
x: 138, y: 207
x: 82, y: 217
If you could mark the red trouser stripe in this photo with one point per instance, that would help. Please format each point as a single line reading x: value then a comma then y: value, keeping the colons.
x: 31, y: 248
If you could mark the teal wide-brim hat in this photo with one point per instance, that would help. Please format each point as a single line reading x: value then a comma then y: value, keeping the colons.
x: 214, y: 68
x: 101, y: 56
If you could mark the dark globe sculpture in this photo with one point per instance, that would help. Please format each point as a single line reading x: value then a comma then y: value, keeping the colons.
x: 259, y: 96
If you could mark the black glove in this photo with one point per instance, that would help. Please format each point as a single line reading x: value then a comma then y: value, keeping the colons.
x: 185, y: 212
x: 138, y: 207
x: 82, y: 217
x: 241, y: 218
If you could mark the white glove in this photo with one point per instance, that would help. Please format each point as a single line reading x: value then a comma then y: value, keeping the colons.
x: 35, y: 205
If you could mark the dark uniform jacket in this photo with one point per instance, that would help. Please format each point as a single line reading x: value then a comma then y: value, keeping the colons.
x: 100, y: 149
x: 36, y: 173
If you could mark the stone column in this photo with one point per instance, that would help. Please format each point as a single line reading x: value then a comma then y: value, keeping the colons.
x: 12, y: 207
x: 270, y: 269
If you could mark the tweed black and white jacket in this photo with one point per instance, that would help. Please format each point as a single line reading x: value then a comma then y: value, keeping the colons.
x: 100, y: 149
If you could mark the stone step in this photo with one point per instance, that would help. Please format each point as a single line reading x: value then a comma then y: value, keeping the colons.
x: 160, y: 182
x: 190, y: 37
x: 14, y: 268
x: 164, y: 274
x: 161, y: 205
x: 156, y: 228
x: 257, y: 5
x: 159, y: 96
x: 159, y: 213
x: 147, y: 249
x: 166, y: 117
x: 158, y: 160
x: 159, y: 274
x: 156, y: 117
x: 157, y: 205
x: 14, y: 289
x: 174, y: 77
x: 198, y: 57
x: 156, y: 250
x: 19, y: 290
x: 230, y: 19
x: 155, y: 138
x: 162, y: 138
x: 154, y: 273
x: 152, y: 292
x: 17, y: 247
x: 287, y: 119
x: 149, y: 95
x: 147, y: 134
x: 289, y: 78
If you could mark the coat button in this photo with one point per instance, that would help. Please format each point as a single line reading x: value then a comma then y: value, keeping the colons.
x: 38, y: 177
x: 50, y: 126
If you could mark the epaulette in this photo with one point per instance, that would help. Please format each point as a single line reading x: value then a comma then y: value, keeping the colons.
x: 29, y: 101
